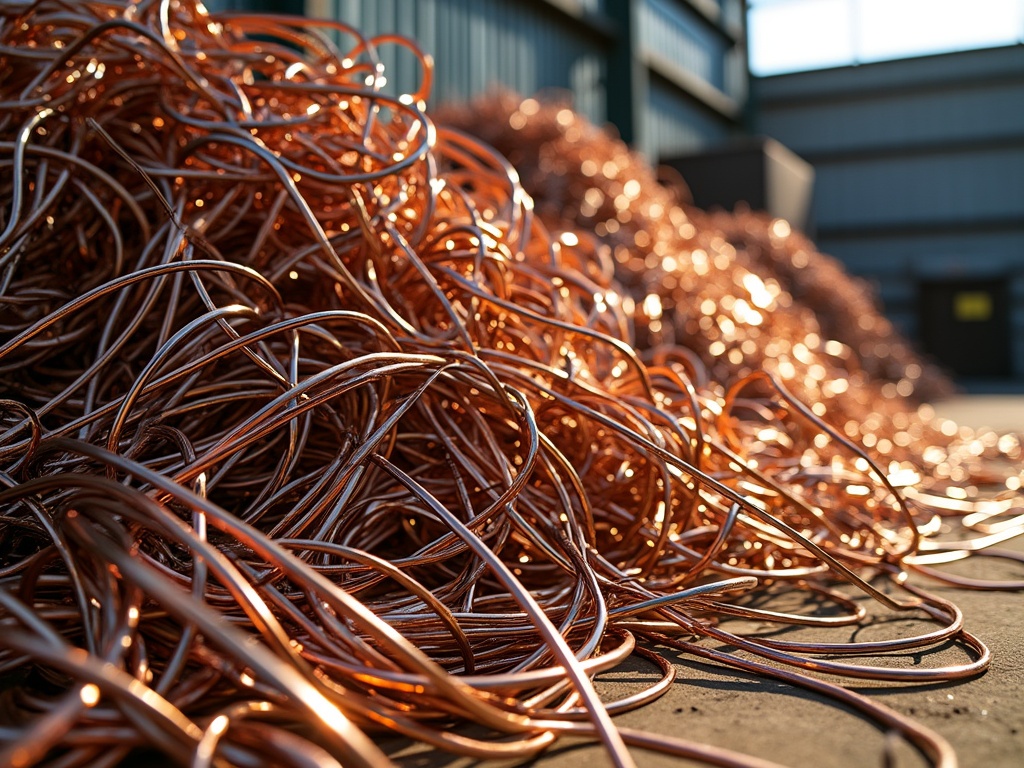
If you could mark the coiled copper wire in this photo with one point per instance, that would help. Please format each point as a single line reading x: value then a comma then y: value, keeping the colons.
x: 311, y: 430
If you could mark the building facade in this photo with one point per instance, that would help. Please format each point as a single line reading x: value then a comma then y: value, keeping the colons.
x: 919, y: 186
x: 670, y: 75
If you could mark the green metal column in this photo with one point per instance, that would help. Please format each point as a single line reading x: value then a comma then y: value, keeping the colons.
x: 627, y: 75
x: 290, y: 7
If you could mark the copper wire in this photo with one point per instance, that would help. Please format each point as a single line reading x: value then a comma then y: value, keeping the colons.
x: 311, y: 429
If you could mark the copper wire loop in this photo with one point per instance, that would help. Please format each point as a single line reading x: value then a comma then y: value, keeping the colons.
x: 312, y: 428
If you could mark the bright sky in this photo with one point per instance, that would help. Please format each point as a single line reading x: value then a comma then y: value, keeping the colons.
x: 791, y: 35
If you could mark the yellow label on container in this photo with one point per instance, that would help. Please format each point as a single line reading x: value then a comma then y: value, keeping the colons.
x: 972, y: 306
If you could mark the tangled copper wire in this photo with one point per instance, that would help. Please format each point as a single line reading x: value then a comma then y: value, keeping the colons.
x: 312, y: 431
x: 723, y: 295
x: 692, y: 265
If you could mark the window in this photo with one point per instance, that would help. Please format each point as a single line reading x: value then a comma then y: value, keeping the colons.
x: 794, y: 35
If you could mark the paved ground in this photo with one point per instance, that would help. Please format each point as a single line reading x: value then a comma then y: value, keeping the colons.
x: 1004, y: 412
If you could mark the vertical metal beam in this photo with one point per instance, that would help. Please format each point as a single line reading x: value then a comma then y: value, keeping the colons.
x: 289, y: 7
x: 627, y: 75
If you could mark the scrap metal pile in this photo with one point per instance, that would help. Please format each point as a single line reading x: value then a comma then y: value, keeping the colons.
x: 312, y: 431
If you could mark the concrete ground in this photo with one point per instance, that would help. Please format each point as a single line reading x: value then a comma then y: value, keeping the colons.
x: 1002, y: 412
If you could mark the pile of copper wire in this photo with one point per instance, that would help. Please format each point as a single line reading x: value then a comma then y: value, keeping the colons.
x: 845, y: 307
x: 313, y: 432
x: 686, y: 261
x: 727, y: 294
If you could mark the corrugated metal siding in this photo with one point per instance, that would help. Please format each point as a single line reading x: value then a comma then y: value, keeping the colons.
x: 895, y: 265
x: 734, y: 15
x: 737, y: 73
x: 687, y: 89
x: 907, y: 75
x: 675, y: 32
x: 699, y: 68
x: 526, y: 46
x: 259, y: 6
x: 924, y: 190
x: 934, y: 253
x: 981, y: 111
x: 675, y: 125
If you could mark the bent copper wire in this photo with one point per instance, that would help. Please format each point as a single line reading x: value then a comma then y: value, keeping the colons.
x: 779, y: 653
x: 260, y: 662
x: 581, y: 682
x: 355, y: 747
x: 930, y: 744
x: 922, y: 564
x: 726, y: 491
x: 327, y: 591
x: 393, y: 454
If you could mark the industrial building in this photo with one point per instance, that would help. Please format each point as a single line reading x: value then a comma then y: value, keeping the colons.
x: 919, y: 167
x: 670, y: 75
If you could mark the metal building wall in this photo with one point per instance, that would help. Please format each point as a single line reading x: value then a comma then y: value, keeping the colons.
x: 530, y: 47
x: 920, y: 172
x: 670, y: 75
x: 693, y: 56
